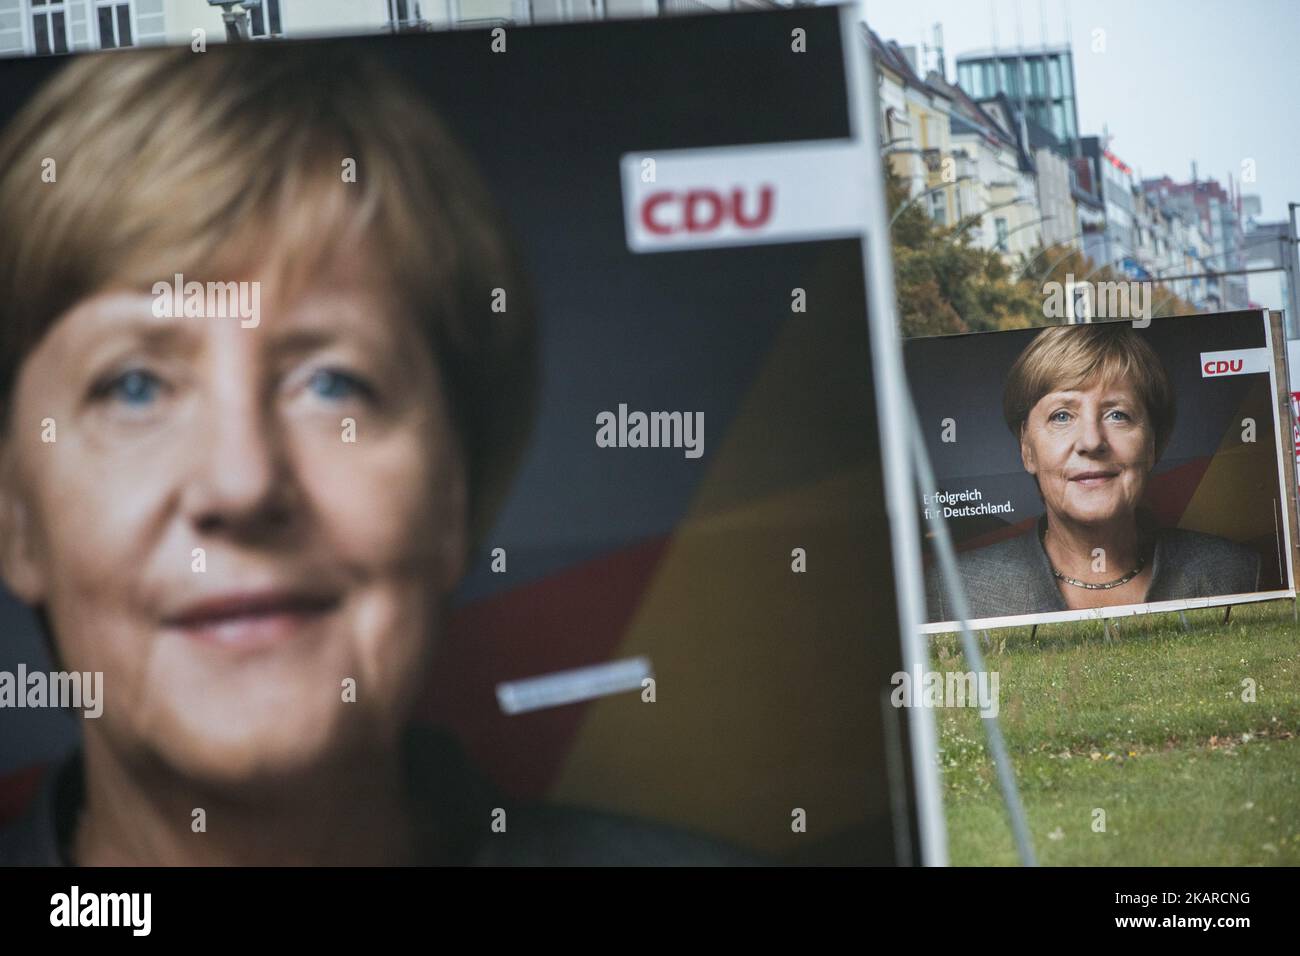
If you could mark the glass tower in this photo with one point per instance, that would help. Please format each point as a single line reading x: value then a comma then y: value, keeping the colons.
x: 1043, y: 76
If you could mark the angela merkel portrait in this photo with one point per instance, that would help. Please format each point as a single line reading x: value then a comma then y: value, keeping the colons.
x: 251, y: 528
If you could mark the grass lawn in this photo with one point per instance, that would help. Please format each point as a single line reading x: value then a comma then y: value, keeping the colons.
x: 1151, y: 728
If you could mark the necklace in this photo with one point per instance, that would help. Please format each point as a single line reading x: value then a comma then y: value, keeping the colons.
x: 1106, y: 586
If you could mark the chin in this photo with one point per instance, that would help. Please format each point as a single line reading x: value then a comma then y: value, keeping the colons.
x: 1099, y: 516
x: 222, y: 746
x: 1083, y: 506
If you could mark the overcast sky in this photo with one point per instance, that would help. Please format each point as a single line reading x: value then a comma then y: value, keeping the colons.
x: 1179, y: 80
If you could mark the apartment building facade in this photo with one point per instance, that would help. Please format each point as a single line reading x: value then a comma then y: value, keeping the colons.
x: 39, y: 27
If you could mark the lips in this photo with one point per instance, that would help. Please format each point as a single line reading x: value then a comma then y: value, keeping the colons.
x: 252, y: 618
x: 1092, y: 478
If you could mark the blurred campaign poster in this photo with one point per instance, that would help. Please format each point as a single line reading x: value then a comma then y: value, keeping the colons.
x: 686, y: 609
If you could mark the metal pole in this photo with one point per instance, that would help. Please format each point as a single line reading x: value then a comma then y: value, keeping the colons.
x: 1225, y: 272
x: 900, y: 489
x: 1292, y: 273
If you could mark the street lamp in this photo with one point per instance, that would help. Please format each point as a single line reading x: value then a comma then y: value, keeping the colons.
x: 236, y: 21
x: 1255, y: 241
x: 973, y: 219
x: 921, y: 195
x: 1064, y: 242
x: 1155, y: 310
x: 1002, y: 243
x: 1116, y: 261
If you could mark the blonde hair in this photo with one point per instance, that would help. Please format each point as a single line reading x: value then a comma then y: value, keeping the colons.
x: 1076, y: 356
x: 168, y: 160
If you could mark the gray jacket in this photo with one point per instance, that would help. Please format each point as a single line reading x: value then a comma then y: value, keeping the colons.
x: 1015, y: 577
x: 457, y: 803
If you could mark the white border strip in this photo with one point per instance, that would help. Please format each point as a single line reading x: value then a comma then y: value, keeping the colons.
x: 1101, y: 613
x: 891, y: 411
x: 1283, y: 448
x: 572, y: 686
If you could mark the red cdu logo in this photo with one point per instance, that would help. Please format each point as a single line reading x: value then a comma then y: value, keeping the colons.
x: 1235, y: 362
x: 806, y: 191
x: 1222, y: 367
x: 703, y: 210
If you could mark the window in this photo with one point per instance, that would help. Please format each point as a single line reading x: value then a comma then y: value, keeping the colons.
x: 114, y: 18
x: 1000, y: 225
x: 264, y: 20
x: 1037, y: 83
x: 939, y: 208
x: 404, y: 15
x: 1010, y: 79
x: 50, y: 26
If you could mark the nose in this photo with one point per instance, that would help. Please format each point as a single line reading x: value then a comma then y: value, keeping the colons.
x: 1090, y: 438
x: 239, y: 481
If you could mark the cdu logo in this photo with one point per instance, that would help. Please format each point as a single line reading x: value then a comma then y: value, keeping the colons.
x: 1234, y: 362
x: 706, y: 210
x: 801, y: 191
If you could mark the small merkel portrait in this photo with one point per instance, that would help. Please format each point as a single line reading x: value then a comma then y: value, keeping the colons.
x: 1092, y: 410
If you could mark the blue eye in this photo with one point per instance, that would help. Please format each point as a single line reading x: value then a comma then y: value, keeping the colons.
x: 1124, y: 416
x: 136, y: 387
x: 337, y: 386
x: 1057, y: 416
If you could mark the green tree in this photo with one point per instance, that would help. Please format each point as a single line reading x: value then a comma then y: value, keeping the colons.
x: 944, y: 283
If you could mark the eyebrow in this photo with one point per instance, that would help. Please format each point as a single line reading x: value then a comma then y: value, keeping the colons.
x: 1071, y: 395
x: 113, y: 324
x: 319, y: 323
x: 298, y: 340
x: 128, y: 323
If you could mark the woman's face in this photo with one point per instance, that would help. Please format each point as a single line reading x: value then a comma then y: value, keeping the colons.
x: 233, y: 522
x: 1091, y: 449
